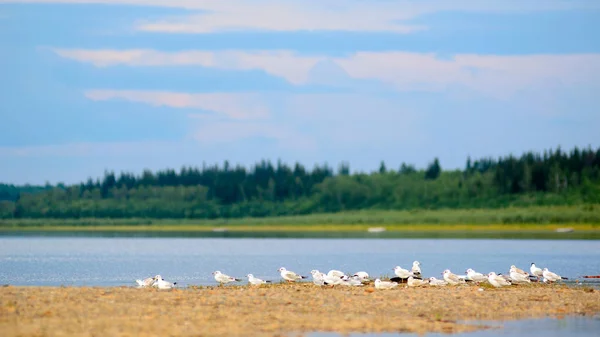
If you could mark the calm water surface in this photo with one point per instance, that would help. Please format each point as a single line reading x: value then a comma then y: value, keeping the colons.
x: 80, y: 261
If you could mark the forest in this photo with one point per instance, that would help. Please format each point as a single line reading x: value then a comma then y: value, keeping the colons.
x: 554, y: 177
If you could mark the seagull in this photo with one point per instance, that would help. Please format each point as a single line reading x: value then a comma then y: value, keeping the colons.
x: 416, y: 269
x: 351, y: 281
x: 223, y: 279
x: 289, y: 276
x: 517, y: 277
x: 256, y: 281
x: 552, y: 277
x: 335, y: 273
x: 162, y: 284
x: 536, y: 271
x: 452, y: 279
x: 379, y: 284
x: 318, y: 277
x: 402, y: 273
x: 362, y: 275
x: 332, y: 279
x: 475, y: 276
x: 518, y: 270
x: 435, y: 282
x: 497, y: 281
x: 146, y: 282
x: 413, y: 282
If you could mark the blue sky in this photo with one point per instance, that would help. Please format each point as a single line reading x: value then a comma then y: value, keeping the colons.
x: 125, y: 85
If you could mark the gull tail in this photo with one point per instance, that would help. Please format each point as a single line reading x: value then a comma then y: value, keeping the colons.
x: 268, y: 281
x: 564, y: 278
x: 237, y: 279
x: 303, y: 276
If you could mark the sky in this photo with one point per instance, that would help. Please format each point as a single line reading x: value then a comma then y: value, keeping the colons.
x: 88, y: 86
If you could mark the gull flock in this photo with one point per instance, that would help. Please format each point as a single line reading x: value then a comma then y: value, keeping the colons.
x: 412, y: 277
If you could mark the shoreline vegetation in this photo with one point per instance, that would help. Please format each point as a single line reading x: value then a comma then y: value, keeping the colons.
x: 279, y: 309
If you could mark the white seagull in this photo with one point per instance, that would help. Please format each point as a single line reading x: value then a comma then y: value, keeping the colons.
x: 379, y: 284
x: 256, y: 281
x: 362, y: 275
x: 536, y: 271
x: 517, y: 277
x: 223, y: 279
x: 318, y: 277
x: 518, y: 270
x: 351, y: 281
x: 402, y: 273
x: 335, y: 273
x: 145, y: 282
x: 497, y: 281
x: 552, y: 277
x: 413, y: 282
x: 437, y: 283
x: 160, y: 283
x: 416, y: 269
x: 451, y: 278
x: 289, y: 276
x: 475, y: 276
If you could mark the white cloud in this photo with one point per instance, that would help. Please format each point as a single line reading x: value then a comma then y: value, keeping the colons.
x: 239, y: 106
x: 499, y: 76
x: 307, y: 15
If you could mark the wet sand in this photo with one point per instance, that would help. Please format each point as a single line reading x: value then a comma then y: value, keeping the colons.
x: 276, y: 310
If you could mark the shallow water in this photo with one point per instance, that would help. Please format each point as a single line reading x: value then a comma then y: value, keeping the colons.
x: 101, y: 261
x: 545, y: 327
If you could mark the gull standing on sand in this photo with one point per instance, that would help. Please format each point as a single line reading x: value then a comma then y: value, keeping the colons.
x: 497, y: 281
x: 437, y: 283
x: 552, y: 277
x: 451, y: 278
x: 160, y: 283
x: 413, y: 282
x: 536, y: 271
x: 416, y: 269
x: 475, y: 276
x: 223, y: 279
x: 402, y: 273
x: 517, y: 277
x: 379, y: 284
x: 256, y: 281
x: 289, y: 276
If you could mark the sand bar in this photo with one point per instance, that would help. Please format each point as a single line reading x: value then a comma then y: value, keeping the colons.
x: 276, y: 310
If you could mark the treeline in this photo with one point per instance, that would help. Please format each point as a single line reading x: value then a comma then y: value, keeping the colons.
x: 554, y: 177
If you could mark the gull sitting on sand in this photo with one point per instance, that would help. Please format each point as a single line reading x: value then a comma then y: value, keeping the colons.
x: 451, y: 278
x: 519, y: 271
x: 416, y: 269
x: 145, y: 282
x: 256, y: 281
x: 517, y: 277
x: 351, y: 281
x: 362, y: 275
x: 475, y: 276
x: 223, y: 279
x: 335, y: 273
x: 379, y: 284
x: 318, y: 277
x: 333, y: 280
x: 289, y: 276
x: 160, y: 283
x: 437, y: 283
x: 497, y: 281
x: 413, y: 282
x: 551, y: 277
x: 536, y: 271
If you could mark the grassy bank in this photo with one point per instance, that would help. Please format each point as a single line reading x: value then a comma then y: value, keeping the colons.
x: 277, y: 310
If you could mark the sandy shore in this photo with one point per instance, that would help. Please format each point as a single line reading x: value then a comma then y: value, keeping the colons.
x: 276, y: 310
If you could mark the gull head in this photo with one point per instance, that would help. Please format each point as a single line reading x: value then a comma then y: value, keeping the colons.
x: 513, y: 267
x: 432, y: 279
x: 396, y: 268
x: 281, y: 269
x: 545, y: 269
x: 469, y: 271
x: 216, y: 272
x: 377, y: 281
x: 250, y: 276
x: 416, y: 263
x: 492, y: 274
x: 157, y: 277
x: 447, y: 271
x: 533, y: 263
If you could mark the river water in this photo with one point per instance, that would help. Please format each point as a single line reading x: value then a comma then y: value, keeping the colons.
x: 117, y: 261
